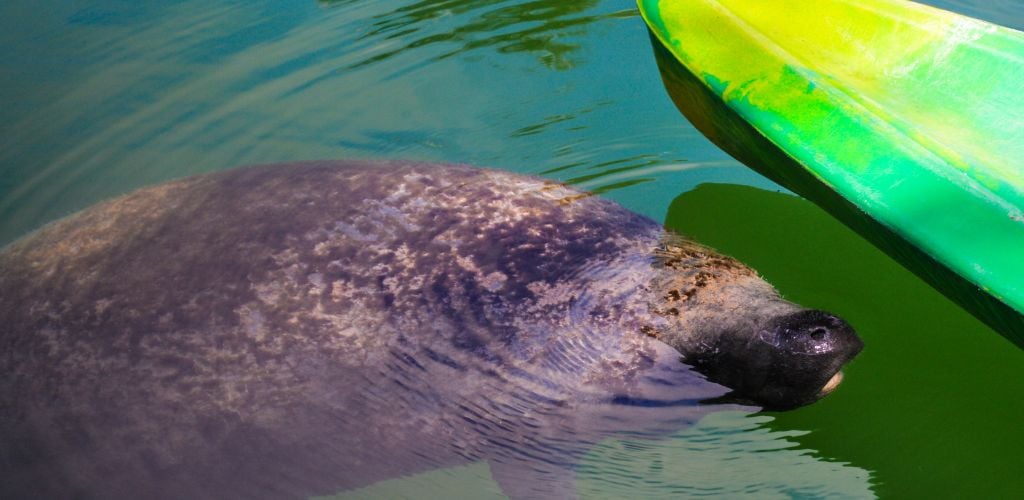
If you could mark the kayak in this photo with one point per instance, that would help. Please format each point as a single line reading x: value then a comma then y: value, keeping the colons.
x: 904, y: 120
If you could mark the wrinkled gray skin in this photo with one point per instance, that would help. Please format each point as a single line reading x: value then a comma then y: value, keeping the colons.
x: 294, y: 330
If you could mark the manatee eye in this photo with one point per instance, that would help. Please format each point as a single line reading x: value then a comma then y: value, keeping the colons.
x: 818, y: 333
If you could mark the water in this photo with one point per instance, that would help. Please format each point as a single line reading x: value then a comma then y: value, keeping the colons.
x: 99, y: 98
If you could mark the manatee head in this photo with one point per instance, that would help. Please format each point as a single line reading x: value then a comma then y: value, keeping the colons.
x: 733, y: 327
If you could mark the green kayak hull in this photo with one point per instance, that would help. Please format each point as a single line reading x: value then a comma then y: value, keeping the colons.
x: 903, y: 120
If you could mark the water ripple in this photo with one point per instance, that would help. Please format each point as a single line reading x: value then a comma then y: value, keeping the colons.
x: 538, y: 27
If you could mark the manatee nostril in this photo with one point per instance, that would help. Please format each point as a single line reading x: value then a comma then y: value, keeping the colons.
x: 811, y: 332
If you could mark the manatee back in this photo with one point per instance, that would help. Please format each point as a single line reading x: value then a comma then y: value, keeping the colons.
x: 172, y: 339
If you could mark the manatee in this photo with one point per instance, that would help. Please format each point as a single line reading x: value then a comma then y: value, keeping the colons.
x: 302, y: 329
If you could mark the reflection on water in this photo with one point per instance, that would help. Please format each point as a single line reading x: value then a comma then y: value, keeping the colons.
x: 538, y: 27
x: 727, y: 454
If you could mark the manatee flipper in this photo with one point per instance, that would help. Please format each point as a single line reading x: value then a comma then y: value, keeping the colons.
x: 522, y: 478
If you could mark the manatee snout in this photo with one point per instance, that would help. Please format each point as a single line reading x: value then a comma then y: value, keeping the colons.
x: 813, y: 333
x: 815, y: 345
x: 792, y: 360
x: 734, y: 328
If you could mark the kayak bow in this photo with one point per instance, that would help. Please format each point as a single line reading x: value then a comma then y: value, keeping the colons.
x: 912, y: 114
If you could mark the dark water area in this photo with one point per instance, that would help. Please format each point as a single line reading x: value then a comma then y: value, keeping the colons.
x: 100, y: 98
x: 930, y: 403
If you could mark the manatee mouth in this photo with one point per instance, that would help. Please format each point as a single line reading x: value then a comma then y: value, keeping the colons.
x: 831, y: 384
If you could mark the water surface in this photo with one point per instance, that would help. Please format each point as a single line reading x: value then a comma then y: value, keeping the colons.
x: 102, y: 97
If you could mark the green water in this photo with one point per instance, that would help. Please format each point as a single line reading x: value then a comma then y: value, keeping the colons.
x: 98, y: 98
x: 932, y: 406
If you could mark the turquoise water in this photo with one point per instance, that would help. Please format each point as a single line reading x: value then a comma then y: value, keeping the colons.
x: 98, y: 98
x: 103, y: 97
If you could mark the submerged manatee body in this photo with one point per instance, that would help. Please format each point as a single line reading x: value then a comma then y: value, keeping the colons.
x: 301, y: 329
